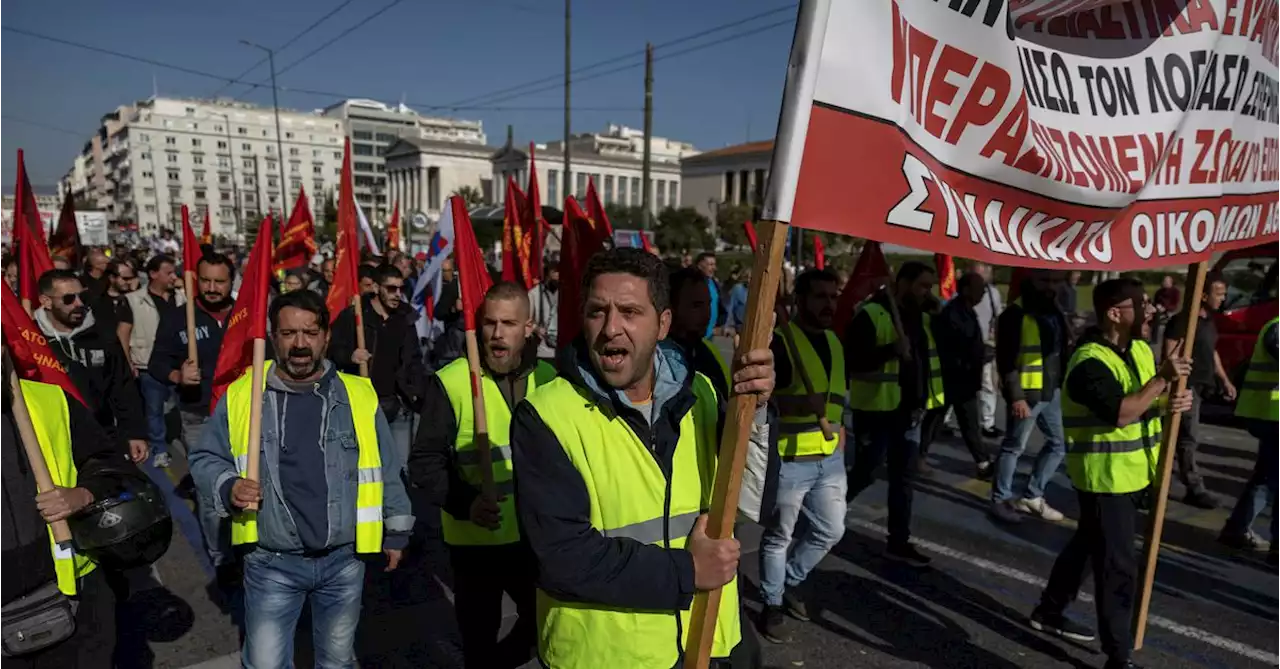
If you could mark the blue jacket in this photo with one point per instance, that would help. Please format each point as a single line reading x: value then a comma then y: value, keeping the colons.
x: 212, y: 469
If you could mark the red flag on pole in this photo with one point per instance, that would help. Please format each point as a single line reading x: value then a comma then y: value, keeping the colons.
x: 579, y: 241
x: 946, y: 267
x: 206, y: 234
x: 868, y: 274
x: 248, y: 319
x: 596, y: 215
x: 819, y: 253
x: 29, y: 237
x: 514, y: 261
x: 24, y: 203
x: 298, y: 238
x: 752, y: 239
x: 33, y: 360
x: 346, y: 279
x: 393, y: 229
x: 535, y: 225
x: 190, y: 247
x: 65, y: 241
x: 473, y: 274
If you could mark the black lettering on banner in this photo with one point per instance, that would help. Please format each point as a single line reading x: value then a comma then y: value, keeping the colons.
x: 1114, y: 87
x: 1171, y: 81
x: 1062, y: 83
x: 969, y: 7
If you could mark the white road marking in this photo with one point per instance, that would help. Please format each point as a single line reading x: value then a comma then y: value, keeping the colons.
x: 1187, y: 631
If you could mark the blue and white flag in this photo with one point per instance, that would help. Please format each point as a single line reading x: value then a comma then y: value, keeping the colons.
x: 369, y: 239
x: 431, y: 276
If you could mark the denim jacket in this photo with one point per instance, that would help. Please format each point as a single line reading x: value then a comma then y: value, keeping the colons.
x: 212, y: 467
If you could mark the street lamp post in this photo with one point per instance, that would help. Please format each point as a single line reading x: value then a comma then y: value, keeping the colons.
x: 275, y: 104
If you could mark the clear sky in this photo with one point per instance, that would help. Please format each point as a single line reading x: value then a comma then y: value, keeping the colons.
x: 428, y: 53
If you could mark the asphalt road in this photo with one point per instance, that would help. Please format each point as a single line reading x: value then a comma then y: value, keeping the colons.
x: 1212, y: 606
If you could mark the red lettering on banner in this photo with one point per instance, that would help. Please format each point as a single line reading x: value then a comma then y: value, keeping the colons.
x: 973, y: 111
x: 1199, y: 174
x: 942, y: 91
x: 1011, y: 136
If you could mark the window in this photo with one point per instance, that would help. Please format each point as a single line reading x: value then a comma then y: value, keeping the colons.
x: 172, y: 157
x: 200, y: 195
x: 337, y: 155
x: 671, y: 194
x: 195, y: 141
x: 224, y: 179
x: 728, y: 188
x: 249, y: 180
x: 149, y: 192
x: 380, y: 168
x: 362, y: 167
x: 242, y: 130
x: 246, y: 147
x: 294, y: 167
x: 147, y: 175
x: 362, y: 134
x: 661, y: 194
x: 271, y: 149
x: 317, y: 170
x: 197, y: 159
x: 225, y: 212
x: 226, y: 197
x: 582, y: 184
x: 145, y: 156
x: 217, y: 128
x: 315, y: 154
x: 171, y: 141
x: 265, y: 133
x: 635, y: 191
x: 150, y: 209
x: 174, y: 175
x: 272, y: 182
x: 175, y: 194
x: 288, y: 135
x: 317, y: 186
x: 293, y: 151
x: 362, y: 149
x: 199, y: 177
x: 251, y: 197
x: 190, y: 111
x: 271, y: 165
x: 247, y: 163
x: 386, y: 137
x: 295, y: 184
x: 622, y: 190
x: 608, y: 189
x: 222, y: 146
x: 224, y: 161
x: 553, y: 181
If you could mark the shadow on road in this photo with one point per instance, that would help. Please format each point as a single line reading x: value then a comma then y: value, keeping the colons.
x: 152, y: 615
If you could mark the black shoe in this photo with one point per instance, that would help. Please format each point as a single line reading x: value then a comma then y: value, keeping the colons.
x: 986, y: 469
x: 1201, y: 499
x: 1242, y: 542
x: 794, y: 606
x: 773, y: 624
x: 907, y: 554
x: 992, y: 432
x: 1059, y: 625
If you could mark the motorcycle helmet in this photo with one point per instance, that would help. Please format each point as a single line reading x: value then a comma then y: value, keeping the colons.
x: 130, y: 529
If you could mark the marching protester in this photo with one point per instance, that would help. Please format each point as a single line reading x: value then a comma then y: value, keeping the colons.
x: 391, y: 352
x: 120, y: 279
x: 450, y: 344
x: 1259, y: 404
x: 321, y: 504
x: 1032, y: 341
x: 894, y: 380
x: 613, y: 462
x: 1111, y: 407
x: 988, y: 311
x: 169, y: 363
x: 321, y: 283
x: 11, y: 271
x: 690, y: 305
x: 963, y: 352
x: 139, y: 317
x: 95, y: 271
x: 807, y: 354
x: 544, y: 298
x: 706, y: 263
x: 487, y: 552
x: 94, y: 360
x: 1207, y: 375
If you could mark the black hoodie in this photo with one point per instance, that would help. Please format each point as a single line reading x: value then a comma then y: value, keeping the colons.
x: 395, y: 363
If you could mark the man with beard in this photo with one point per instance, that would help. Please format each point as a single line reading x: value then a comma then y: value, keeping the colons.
x: 120, y: 279
x: 615, y: 459
x: 94, y: 359
x: 169, y: 364
x: 1111, y: 405
x: 485, y: 546
x: 894, y: 380
x: 330, y: 490
x: 544, y: 298
x: 139, y: 319
x: 1032, y: 340
x: 391, y: 351
x: 321, y: 284
x: 690, y: 313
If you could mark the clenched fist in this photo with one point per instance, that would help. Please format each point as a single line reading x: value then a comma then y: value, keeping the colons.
x: 715, y: 561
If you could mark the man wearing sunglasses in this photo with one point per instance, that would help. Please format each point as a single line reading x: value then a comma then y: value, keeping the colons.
x: 94, y: 358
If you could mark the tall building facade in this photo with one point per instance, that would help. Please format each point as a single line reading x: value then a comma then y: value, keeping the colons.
x: 733, y: 175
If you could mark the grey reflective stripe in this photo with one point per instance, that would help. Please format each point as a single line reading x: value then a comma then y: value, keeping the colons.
x: 875, y: 377
x: 1032, y: 368
x: 1111, y: 447
x: 1261, y: 385
x: 650, y: 531
x: 370, y: 475
x: 369, y: 514
x: 471, y: 456
x: 242, y: 463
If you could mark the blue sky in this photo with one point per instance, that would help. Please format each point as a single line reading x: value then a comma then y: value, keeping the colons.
x: 426, y: 52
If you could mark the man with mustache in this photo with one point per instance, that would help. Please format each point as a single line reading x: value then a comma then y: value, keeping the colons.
x: 169, y: 364
x: 487, y: 552
x: 330, y: 490
x: 615, y: 460
x: 1112, y: 403
x: 94, y: 359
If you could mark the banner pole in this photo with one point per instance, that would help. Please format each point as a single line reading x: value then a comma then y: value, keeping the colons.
x: 189, y: 285
x: 738, y: 424
x: 359, y: 314
x: 481, y: 418
x: 1155, y: 527
x: 254, y: 447
x: 35, y: 456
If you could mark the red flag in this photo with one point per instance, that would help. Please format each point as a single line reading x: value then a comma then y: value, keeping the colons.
x: 645, y: 243
x: 536, y: 227
x: 248, y: 319
x: 752, y: 239
x: 514, y: 263
x: 65, y: 241
x: 33, y: 360
x: 28, y: 236
x: 596, y: 215
x: 868, y: 274
x: 190, y: 247
x: 946, y: 267
x: 298, y: 238
x: 346, y: 280
x: 393, y: 229
x: 579, y: 241
x: 206, y: 235
x: 819, y: 253
x: 25, y: 202
x: 473, y: 274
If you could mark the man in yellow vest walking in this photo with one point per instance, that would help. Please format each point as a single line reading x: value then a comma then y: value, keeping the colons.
x: 331, y: 490
x: 1259, y: 403
x: 615, y: 463
x: 690, y: 314
x: 1111, y: 410
x: 487, y: 553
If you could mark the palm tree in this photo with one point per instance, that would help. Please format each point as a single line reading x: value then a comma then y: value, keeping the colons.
x: 470, y: 195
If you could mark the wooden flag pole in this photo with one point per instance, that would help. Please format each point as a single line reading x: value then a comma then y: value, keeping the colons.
x: 35, y: 456
x: 896, y: 315
x: 359, y: 310
x: 733, y: 445
x: 1155, y: 527
x: 481, y: 418
x: 254, y: 447
x: 189, y: 285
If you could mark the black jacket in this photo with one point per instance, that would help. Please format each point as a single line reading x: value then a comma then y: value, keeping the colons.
x: 100, y: 468
x: 395, y: 363
x: 101, y: 371
x: 432, y: 458
x: 912, y: 375
x: 1054, y: 344
x: 962, y: 350
x: 170, y: 352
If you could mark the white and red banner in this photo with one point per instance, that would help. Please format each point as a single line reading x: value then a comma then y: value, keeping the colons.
x: 1048, y: 133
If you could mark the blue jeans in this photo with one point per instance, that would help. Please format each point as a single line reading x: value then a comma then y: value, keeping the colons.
x: 154, y: 395
x: 1047, y: 415
x: 276, y: 585
x: 403, y: 432
x: 816, y: 488
x: 1261, y: 488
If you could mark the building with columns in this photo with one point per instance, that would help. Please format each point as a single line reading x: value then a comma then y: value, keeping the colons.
x: 732, y: 175
x: 422, y: 173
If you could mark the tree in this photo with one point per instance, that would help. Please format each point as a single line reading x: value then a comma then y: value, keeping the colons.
x: 683, y: 229
x: 729, y: 219
x: 470, y: 195
x: 622, y: 217
x: 329, y: 219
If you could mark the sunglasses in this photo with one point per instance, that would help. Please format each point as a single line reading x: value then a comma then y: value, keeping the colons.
x: 393, y: 289
x: 71, y: 298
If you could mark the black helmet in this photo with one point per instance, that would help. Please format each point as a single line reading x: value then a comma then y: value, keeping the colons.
x: 131, y: 529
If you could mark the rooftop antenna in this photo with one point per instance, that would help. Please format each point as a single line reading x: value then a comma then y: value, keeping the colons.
x: 155, y: 86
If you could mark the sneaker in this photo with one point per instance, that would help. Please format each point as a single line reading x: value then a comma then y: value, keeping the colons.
x: 1060, y: 625
x: 1005, y: 513
x: 1038, y: 507
x: 907, y: 554
x: 161, y: 460
x: 773, y: 624
x: 992, y: 432
x: 985, y: 471
x: 794, y: 606
x: 1201, y: 499
x: 1243, y: 542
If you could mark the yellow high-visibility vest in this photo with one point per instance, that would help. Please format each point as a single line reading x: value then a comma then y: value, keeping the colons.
x: 799, y: 431
x: 1102, y: 457
x: 364, y: 411
x: 878, y: 390
x: 51, y: 421
x: 456, y: 379
x: 629, y: 499
x: 1030, y: 352
x: 1260, y: 392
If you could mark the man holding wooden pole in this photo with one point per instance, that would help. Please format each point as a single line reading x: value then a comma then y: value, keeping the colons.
x: 1111, y: 405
